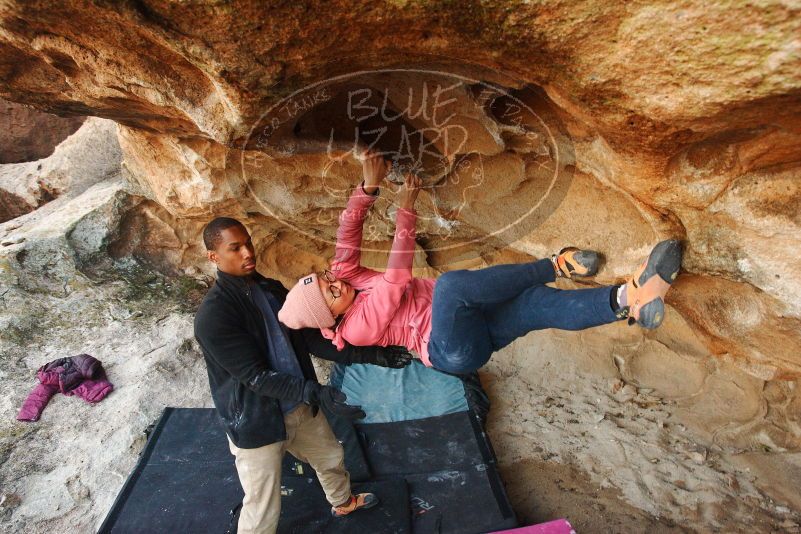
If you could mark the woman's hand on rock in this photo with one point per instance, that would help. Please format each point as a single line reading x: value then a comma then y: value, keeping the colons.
x: 374, y: 170
x: 407, y: 195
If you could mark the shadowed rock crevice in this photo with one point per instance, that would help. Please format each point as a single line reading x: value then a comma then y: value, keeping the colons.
x: 29, y: 135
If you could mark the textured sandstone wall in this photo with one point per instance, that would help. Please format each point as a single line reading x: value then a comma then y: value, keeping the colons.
x: 599, y: 124
x: 29, y: 134
x: 89, y: 155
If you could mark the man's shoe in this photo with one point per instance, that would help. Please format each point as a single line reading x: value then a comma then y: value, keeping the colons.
x: 356, y: 502
x: 645, y: 291
x: 574, y: 262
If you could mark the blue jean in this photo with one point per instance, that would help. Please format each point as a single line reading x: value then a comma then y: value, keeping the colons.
x: 478, y: 312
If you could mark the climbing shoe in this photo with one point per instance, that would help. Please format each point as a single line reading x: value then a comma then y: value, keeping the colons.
x: 356, y: 502
x: 645, y: 291
x: 574, y: 262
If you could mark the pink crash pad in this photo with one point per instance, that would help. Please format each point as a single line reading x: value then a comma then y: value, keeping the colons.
x: 560, y: 526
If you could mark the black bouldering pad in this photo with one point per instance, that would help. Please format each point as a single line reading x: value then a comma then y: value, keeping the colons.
x: 186, y: 481
x: 435, y: 471
x: 459, y: 501
x: 449, y: 465
x: 450, y: 441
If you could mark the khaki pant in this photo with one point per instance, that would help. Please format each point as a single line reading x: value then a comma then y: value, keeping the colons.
x: 309, y: 439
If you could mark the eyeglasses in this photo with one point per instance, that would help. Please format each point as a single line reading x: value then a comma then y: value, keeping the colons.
x: 329, y: 277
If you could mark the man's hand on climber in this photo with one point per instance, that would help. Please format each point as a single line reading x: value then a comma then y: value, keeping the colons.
x: 393, y: 356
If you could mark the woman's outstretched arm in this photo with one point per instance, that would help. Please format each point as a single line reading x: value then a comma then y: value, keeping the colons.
x: 401, y: 257
x: 347, y: 259
x: 367, y: 325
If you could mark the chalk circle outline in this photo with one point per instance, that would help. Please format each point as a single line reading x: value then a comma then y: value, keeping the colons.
x: 344, y: 77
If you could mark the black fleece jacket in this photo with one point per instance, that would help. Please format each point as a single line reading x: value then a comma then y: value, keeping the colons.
x: 246, y: 392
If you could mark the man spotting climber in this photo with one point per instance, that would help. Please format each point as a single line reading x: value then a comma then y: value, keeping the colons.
x: 264, y: 386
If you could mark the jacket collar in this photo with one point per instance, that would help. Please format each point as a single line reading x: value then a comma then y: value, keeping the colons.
x: 237, y: 282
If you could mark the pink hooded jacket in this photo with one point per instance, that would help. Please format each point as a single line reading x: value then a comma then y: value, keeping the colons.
x: 81, y: 375
x: 391, y: 308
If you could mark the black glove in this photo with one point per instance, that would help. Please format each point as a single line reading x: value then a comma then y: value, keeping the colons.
x: 393, y: 356
x: 331, y: 399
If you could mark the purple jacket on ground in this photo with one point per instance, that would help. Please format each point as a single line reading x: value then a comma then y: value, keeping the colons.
x: 82, y: 376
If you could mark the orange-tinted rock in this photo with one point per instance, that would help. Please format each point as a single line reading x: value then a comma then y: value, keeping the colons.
x: 741, y: 323
x: 602, y: 127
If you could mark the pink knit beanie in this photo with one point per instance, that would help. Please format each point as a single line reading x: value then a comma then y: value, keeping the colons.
x: 305, y: 306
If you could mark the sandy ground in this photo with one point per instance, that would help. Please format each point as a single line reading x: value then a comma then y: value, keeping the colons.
x: 613, y: 458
